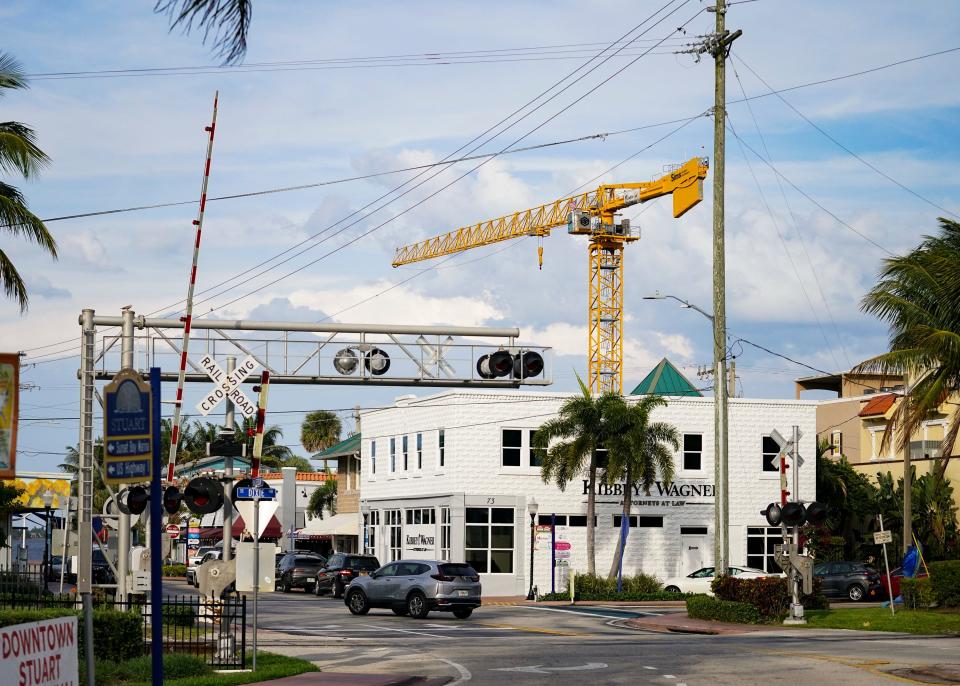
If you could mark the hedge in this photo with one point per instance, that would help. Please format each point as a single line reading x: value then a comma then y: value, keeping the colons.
x: 117, y: 636
x: 613, y: 595
x: 174, y: 570
x: 945, y: 581
x: 917, y: 593
x: 705, y: 607
x: 591, y: 584
x: 770, y: 595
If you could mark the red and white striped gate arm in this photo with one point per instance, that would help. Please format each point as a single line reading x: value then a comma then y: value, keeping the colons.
x: 188, y: 316
x: 261, y: 416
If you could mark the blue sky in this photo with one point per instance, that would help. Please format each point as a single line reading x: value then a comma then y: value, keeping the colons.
x: 126, y: 141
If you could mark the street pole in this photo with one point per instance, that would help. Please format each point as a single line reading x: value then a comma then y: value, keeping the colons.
x: 907, y: 488
x: 88, y: 339
x: 886, y: 563
x: 123, y: 535
x: 46, y: 546
x: 533, y: 533
x: 228, y: 422
x: 796, y: 610
x: 256, y: 567
x: 553, y: 553
x: 156, y: 542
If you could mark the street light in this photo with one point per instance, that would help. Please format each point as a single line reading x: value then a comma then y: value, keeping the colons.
x: 720, y: 416
x: 365, y: 512
x: 532, y: 509
x: 47, y: 504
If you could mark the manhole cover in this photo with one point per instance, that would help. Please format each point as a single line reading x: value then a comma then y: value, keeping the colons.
x: 931, y: 674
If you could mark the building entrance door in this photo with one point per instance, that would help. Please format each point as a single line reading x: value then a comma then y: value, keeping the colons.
x: 694, y: 550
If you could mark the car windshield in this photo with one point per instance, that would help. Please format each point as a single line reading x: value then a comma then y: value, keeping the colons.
x: 457, y: 570
x: 366, y: 564
x: 702, y: 573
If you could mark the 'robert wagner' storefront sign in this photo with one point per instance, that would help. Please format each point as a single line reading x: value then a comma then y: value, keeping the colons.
x: 40, y: 653
x: 675, y: 494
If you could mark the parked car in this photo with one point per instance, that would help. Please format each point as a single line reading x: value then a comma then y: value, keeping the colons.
x: 896, y: 576
x: 298, y: 570
x: 192, y: 571
x: 195, y: 558
x: 700, y: 580
x: 415, y: 587
x: 852, y: 580
x: 101, y: 572
x: 340, y: 570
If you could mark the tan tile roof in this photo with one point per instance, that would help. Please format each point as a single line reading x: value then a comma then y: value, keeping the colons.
x: 301, y: 476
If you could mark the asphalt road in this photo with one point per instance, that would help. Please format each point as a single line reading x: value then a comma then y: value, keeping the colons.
x: 520, y: 645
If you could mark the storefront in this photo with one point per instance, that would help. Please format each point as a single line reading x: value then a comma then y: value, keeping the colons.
x: 453, y: 476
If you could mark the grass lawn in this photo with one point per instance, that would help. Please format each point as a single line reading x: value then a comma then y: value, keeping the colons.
x: 182, y: 672
x: 879, y: 619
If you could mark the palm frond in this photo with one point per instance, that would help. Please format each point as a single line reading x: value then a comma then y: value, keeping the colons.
x: 18, y: 220
x: 11, y: 73
x: 12, y: 282
x: 225, y: 22
x: 19, y: 151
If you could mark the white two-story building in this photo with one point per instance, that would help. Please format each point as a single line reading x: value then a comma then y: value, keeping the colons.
x: 452, y: 476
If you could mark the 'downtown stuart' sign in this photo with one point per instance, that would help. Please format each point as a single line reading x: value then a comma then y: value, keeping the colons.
x: 40, y: 653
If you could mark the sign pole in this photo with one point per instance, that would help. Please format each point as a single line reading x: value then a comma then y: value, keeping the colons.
x: 156, y: 576
x: 553, y: 553
x: 256, y: 570
x: 255, y: 473
x: 796, y: 610
x: 886, y: 563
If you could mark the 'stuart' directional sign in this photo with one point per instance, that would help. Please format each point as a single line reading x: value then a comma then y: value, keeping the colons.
x: 127, y: 434
x: 228, y: 386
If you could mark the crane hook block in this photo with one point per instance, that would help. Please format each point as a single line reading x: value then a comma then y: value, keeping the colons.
x: 540, y: 256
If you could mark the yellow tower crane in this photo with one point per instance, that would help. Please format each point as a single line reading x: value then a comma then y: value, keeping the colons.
x: 592, y: 214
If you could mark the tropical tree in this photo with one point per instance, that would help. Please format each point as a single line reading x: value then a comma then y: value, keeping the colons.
x: 18, y: 154
x: 324, y: 497
x: 301, y: 463
x: 568, y: 444
x: 273, y: 453
x: 934, y: 515
x: 638, y: 452
x: 8, y: 495
x: 225, y: 22
x: 320, y: 430
x: 851, y: 501
x: 71, y: 465
x: 917, y: 296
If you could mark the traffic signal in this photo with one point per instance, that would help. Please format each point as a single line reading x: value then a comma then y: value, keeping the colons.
x: 772, y: 513
x: 795, y: 514
x: 376, y: 361
x: 495, y: 365
x: 133, y: 500
x: 816, y: 513
x: 527, y: 363
x: 203, y: 495
x: 171, y: 499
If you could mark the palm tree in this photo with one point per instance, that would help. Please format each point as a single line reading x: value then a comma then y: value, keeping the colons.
x: 18, y: 153
x: 581, y: 428
x: 226, y: 21
x: 324, y: 497
x: 273, y: 453
x: 320, y: 430
x: 917, y: 295
x: 639, y: 451
x: 71, y: 465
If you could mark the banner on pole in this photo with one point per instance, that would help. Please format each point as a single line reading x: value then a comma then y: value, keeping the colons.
x: 9, y: 412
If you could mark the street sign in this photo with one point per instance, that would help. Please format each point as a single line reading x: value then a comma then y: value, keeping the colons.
x: 267, y: 509
x: 173, y: 531
x: 127, y: 431
x: 562, y: 545
x: 882, y: 537
x: 786, y: 446
x: 228, y: 386
x: 262, y: 493
x: 561, y: 554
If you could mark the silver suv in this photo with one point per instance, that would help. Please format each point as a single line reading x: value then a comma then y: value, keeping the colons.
x: 415, y: 587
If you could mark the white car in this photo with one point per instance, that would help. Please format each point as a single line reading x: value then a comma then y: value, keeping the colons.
x: 700, y: 580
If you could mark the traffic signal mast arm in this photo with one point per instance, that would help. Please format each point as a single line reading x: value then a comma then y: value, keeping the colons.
x: 684, y: 183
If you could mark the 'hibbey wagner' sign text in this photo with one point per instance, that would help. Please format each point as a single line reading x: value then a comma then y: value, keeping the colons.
x: 672, y: 495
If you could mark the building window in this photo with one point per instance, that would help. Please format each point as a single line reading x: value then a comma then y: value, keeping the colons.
x: 393, y: 455
x: 929, y: 444
x: 517, y: 449
x: 760, y: 543
x: 638, y: 521
x: 419, y: 451
x: 618, y: 520
x: 547, y: 520
x: 444, y: 533
x: 581, y: 520
x: 489, y: 539
x: 441, y: 448
x: 512, y: 442
x: 877, y: 444
x: 693, y: 531
x: 771, y: 449
x: 692, y: 451
x: 836, y: 443
x: 396, y: 539
x: 371, y: 522
x: 406, y: 465
x: 373, y: 457
x: 421, y: 515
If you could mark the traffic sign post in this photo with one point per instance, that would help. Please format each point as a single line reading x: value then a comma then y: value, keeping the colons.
x: 884, y: 537
x: 127, y: 430
x: 173, y: 531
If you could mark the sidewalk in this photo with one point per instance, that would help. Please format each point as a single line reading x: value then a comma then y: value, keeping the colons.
x: 345, y: 679
x: 679, y: 622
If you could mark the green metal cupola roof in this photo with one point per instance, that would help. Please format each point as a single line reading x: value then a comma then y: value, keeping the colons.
x: 665, y: 379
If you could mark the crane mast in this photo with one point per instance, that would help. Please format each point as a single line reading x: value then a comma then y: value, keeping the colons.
x: 593, y: 214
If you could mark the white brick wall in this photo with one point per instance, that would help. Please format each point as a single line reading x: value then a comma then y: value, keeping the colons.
x: 473, y: 421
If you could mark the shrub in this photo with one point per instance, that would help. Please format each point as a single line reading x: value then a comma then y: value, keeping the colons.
x: 593, y: 585
x: 174, y: 570
x: 945, y: 581
x: 175, y: 666
x: 705, y: 607
x: 178, y: 615
x: 770, y: 595
x: 117, y: 635
x: 917, y: 593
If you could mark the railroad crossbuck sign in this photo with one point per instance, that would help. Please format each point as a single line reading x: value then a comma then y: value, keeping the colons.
x: 228, y: 386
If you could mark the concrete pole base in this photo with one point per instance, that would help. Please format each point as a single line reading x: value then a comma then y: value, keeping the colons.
x: 796, y: 615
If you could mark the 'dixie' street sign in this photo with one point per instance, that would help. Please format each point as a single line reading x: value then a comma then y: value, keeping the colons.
x: 127, y: 431
x: 228, y: 386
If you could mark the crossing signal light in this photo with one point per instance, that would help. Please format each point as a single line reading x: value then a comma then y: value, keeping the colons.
x: 203, y: 495
x: 527, y: 363
x: 376, y: 361
x: 171, y: 499
x: 816, y: 513
x: 495, y: 365
x: 794, y: 514
x: 133, y: 500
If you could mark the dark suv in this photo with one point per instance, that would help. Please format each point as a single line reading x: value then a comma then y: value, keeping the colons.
x: 340, y: 570
x: 852, y: 580
x: 298, y: 570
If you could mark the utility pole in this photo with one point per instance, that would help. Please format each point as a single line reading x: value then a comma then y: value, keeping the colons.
x: 718, y: 45
x: 228, y: 422
x: 907, y: 484
x: 123, y: 535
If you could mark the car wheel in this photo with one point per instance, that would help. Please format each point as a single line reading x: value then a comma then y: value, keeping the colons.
x: 855, y: 592
x: 417, y: 605
x: 357, y: 602
x: 285, y: 585
x: 308, y: 588
x: 316, y: 589
x: 672, y: 589
x: 400, y: 611
x: 338, y: 589
x: 462, y: 612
